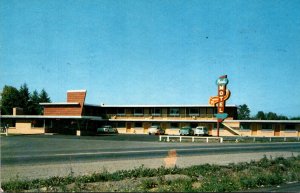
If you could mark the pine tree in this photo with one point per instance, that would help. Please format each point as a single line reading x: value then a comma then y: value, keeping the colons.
x: 24, y: 96
x: 43, y: 97
x: 34, y: 107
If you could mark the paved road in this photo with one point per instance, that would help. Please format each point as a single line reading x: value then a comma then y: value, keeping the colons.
x: 41, y: 149
x: 292, y: 187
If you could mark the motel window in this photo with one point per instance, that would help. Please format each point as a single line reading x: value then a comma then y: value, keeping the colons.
x: 174, y: 111
x: 194, y: 125
x: 174, y: 125
x: 210, y: 111
x: 245, y: 126
x: 202, y: 111
x: 138, y: 124
x: 266, y: 126
x: 121, y: 112
x: 121, y: 125
x: 194, y: 111
x: 156, y: 112
x: 138, y: 111
x: 155, y: 124
x: 290, y: 127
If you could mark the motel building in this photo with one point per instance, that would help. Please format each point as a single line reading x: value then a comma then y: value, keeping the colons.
x: 76, y: 117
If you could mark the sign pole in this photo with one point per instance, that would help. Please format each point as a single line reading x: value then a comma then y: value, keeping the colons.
x: 218, y: 129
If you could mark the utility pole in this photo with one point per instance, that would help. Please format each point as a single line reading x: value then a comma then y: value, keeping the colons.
x: 0, y: 118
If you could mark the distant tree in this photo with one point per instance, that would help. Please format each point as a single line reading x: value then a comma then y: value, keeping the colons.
x: 282, y: 117
x: 260, y: 115
x: 243, y: 112
x: 295, y: 118
x: 33, y: 104
x: 10, y: 98
x: 24, y: 95
x: 271, y: 116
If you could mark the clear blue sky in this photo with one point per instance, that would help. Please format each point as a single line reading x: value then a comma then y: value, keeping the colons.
x: 155, y: 52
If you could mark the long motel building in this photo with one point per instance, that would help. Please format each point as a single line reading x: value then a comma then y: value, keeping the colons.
x: 79, y: 118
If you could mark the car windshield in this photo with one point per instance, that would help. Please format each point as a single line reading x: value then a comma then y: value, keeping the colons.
x: 185, y: 128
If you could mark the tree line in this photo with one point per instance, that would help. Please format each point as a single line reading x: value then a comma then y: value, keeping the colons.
x: 244, y: 114
x: 12, y: 97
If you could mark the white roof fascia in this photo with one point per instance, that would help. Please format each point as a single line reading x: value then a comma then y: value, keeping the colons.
x: 157, y: 120
x: 51, y: 117
x: 77, y: 90
x: 163, y: 106
x: 60, y: 103
x: 264, y: 121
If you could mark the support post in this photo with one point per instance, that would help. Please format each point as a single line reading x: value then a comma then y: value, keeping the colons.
x: 218, y: 128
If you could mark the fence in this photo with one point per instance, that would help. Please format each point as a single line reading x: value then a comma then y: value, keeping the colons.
x: 3, y: 131
x: 192, y: 138
x: 262, y: 139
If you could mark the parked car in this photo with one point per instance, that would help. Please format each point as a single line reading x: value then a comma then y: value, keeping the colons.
x: 200, y: 130
x: 187, y: 130
x: 156, y: 130
x: 107, y: 129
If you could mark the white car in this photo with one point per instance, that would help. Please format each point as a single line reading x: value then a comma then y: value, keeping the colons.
x: 200, y: 130
x: 156, y: 130
x: 107, y: 129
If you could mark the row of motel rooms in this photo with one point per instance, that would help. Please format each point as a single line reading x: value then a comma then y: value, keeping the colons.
x: 76, y: 117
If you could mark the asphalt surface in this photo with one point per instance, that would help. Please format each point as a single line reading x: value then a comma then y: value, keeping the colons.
x: 43, y: 156
x: 43, y: 149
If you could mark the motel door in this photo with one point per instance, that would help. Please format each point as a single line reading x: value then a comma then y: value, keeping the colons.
x: 164, y: 126
x: 128, y: 127
x: 254, y: 130
x: 210, y: 127
x: 277, y: 130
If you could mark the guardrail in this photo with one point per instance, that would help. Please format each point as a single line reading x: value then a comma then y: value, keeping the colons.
x: 168, y: 137
x: 263, y: 138
x: 3, y: 131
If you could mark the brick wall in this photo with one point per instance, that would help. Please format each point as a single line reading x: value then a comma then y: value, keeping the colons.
x: 68, y: 110
x: 76, y: 96
x: 63, y: 110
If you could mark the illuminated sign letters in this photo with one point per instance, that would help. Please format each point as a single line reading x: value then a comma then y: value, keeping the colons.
x: 223, y: 95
